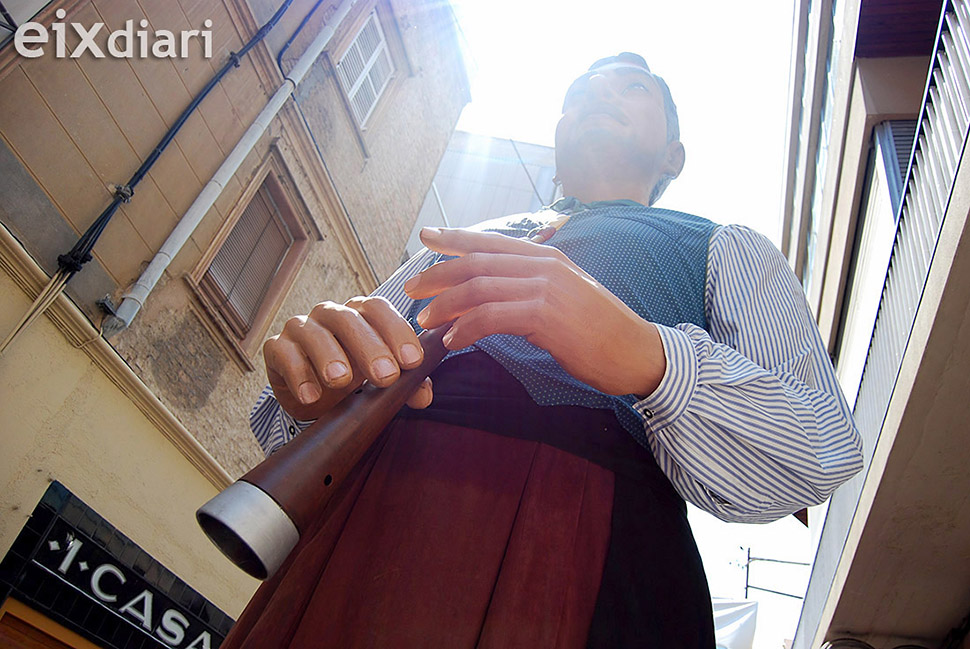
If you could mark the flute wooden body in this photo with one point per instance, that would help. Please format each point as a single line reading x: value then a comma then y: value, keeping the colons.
x: 257, y: 521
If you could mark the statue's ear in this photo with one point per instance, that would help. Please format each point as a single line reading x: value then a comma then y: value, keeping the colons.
x: 674, y: 159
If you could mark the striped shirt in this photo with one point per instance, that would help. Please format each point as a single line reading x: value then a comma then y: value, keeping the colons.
x: 748, y: 422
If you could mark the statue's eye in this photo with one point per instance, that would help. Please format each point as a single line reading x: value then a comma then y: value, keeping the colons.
x: 575, y: 94
x: 636, y: 86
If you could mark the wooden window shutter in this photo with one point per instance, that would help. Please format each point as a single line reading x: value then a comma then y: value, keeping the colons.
x: 365, y: 69
x: 240, y: 274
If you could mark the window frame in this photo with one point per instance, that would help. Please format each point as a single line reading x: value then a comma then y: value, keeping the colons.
x: 210, y: 283
x: 877, y: 218
x: 364, y: 75
x: 397, y: 54
x: 245, y: 345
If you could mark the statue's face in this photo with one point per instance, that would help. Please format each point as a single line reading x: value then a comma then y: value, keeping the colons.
x: 615, y: 110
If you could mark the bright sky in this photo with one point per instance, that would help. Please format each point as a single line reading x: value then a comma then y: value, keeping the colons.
x: 727, y: 66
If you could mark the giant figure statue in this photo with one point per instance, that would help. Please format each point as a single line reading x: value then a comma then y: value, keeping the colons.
x: 532, y: 494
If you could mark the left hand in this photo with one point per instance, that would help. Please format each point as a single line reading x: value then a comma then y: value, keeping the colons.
x: 500, y: 284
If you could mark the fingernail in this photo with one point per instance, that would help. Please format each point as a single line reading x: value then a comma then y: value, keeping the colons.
x: 335, y: 371
x: 423, y: 316
x: 446, y: 339
x: 308, y: 393
x: 431, y: 233
x: 411, y: 284
x: 383, y: 368
x: 410, y: 354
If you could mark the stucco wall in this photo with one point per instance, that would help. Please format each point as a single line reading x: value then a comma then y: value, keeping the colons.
x: 182, y: 360
x: 75, y: 127
x: 170, y: 347
x: 81, y: 126
x: 64, y: 419
x: 404, y: 139
x: 70, y: 130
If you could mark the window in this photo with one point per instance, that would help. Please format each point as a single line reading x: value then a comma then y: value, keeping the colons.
x: 365, y: 69
x: 876, y: 232
x: 252, y: 263
x: 242, y: 271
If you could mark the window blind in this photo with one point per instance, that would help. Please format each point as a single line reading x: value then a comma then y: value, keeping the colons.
x: 247, y: 262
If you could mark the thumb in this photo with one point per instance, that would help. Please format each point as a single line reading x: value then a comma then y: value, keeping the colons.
x: 422, y: 396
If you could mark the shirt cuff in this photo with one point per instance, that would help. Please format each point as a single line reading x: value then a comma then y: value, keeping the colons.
x: 671, y: 398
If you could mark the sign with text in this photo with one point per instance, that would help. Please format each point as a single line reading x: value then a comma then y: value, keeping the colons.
x: 82, y: 564
x: 74, y: 567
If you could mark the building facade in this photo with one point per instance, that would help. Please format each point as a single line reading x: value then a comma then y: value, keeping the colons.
x: 876, y: 205
x: 481, y: 178
x: 297, y: 177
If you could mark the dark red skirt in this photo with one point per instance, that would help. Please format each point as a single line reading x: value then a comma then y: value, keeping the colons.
x: 456, y: 537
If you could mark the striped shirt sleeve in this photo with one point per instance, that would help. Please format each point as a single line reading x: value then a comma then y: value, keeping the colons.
x: 270, y: 424
x: 749, y: 422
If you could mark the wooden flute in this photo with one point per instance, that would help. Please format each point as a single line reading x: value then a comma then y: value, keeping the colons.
x: 257, y: 521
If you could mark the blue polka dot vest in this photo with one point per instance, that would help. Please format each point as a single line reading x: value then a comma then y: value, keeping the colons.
x: 655, y: 260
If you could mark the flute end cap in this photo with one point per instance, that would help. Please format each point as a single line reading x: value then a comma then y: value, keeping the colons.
x: 249, y: 528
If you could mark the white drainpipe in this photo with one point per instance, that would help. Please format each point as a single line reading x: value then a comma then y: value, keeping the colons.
x: 135, y: 298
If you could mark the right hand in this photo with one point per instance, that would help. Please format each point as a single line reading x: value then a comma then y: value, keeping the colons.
x: 321, y: 357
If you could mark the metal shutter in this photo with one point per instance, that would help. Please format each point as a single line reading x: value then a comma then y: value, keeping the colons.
x: 247, y: 262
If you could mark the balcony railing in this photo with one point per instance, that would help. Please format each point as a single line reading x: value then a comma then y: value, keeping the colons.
x: 929, y: 183
x: 938, y: 150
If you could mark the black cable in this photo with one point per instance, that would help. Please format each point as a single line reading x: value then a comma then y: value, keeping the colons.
x: 296, y: 32
x: 8, y: 22
x: 72, y: 261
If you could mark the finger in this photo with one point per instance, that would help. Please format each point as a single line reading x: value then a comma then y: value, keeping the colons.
x: 516, y: 318
x: 288, y: 367
x: 479, y: 264
x: 455, y: 302
x: 361, y: 343
x: 327, y: 357
x: 422, y: 396
x: 393, y: 329
x: 459, y: 242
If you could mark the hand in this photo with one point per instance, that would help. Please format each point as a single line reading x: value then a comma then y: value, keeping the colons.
x: 321, y: 357
x: 513, y: 286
